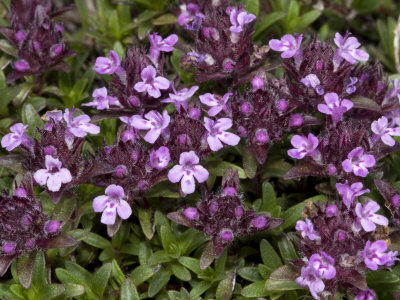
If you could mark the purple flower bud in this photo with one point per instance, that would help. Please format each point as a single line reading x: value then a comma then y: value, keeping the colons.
x: 340, y: 236
x: 312, y: 81
x: 135, y: 156
x: 20, y: 35
x: 30, y: 244
x: 142, y: 185
x: 281, y: 105
x: 296, y: 120
x: 259, y: 222
x: 195, y: 113
x: 21, y: 65
x: 365, y: 295
x: 396, y: 200
x: 56, y: 49
x: 52, y: 226
x: 134, y: 101
x: 120, y: 171
x: 160, y: 158
x: 226, y: 235
x: 191, y: 213
x: 26, y: 220
x: 257, y: 83
x: 239, y: 211
x: 213, y: 207
x: 228, y: 65
x: 49, y: 150
x: 229, y: 191
x: 332, y: 170
x: 331, y: 210
x: 8, y: 248
x: 246, y: 108
x: 183, y: 139
x: 20, y: 192
x: 128, y: 135
x: 323, y: 264
x: 242, y: 131
x: 262, y: 136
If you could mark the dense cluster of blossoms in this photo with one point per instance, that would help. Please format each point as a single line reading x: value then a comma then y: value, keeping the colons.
x: 37, y: 38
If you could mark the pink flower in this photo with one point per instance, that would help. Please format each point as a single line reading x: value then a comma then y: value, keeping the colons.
x: 238, y: 18
x: 347, y: 49
x: 102, y: 100
x: 159, y: 159
x: 323, y: 264
x: 17, y: 137
x: 151, y: 84
x: 217, y: 133
x: 310, y: 278
x: 304, y: 146
x: 158, y: 44
x: 306, y: 229
x: 374, y: 254
x: 349, y: 193
x: 216, y: 102
x: 53, y: 176
x: 105, y: 65
x: 180, y: 98
x: 288, y: 45
x: 367, y: 217
x: 358, y: 162
x: 187, y: 170
x: 381, y: 128
x: 78, y: 126
x: 312, y: 81
x: 155, y: 123
x: 335, y: 106
x: 188, y: 12
x: 112, y: 203
x: 365, y: 295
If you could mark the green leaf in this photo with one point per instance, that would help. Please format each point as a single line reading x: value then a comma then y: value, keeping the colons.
x: 282, y: 279
x: 141, y: 274
x: 308, y: 18
x: 159, y: 280
x: 225, y: 287
x: 250, y: 274
x: 165, y: 20
x: 383, y: 280
x: 207, y: 256
x: 145, y: 216
x: 286, y: 248
x: 100, y: 279
x: 53, y: 290
x: 293, y: 12
x: 252, y: 6
x: 25, y: 266
x: 365, y: 6
x: 249, y: 163
x: 117, y: 272
x: 39, y: 274
x: 268, y: 197
x: 191, y: 263
x: 255, y: 290
x: 30, y: 116
x: 7, y: 95
x: 97, y: 241
x: 269, y: 256
x: 128, y: 290
x: 159, y: 257
x: 73, y: 290
x: 267, y: 21
x: 180, y: 271
x: 167, y: 238
x: 365, y: 103
x: 199, y: 289
x: 219, y: 168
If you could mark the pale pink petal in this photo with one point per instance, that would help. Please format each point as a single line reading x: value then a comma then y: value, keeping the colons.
x: 109, y: 215
x: 176, y: 173
x: 41, y: 176
x: 99, y: 203
x: 200, y: 173
x: 214, y: 143
x: 124, y: 210
x: 187, y: 184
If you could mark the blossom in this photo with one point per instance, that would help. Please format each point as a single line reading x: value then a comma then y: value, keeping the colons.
x: 349, y: 193
x: 17, y: 137
x: 112, y: 203
x: 358, y: 162
x: 374, y: 254
x: 105, y: 65
x: 310, y: 278
x: 304, y: 146
x: 367, y: 217
x: 187, y: 170
x: 151, y: 84
x: 288, y: 45
x: 188, y: 12
x: 159, y: 159
x: 323, y: 264
x: 53, y: 176
x: 154, y: 122
x: 180, y: 98
x: 365, y: 295
x: 78, y: 126
x: 130, y: 133
x: 312, y: 81
x: 216, y: 102
x: 395, y: 91
x: 347, y: 49
x: 217, y: 133
x: 335, y: 106
x: 158, y: 44
x: 102, y: 100
x: 238, y: 18
x: 350, y: 87
x: 306, y: 229
x: 381, y: 128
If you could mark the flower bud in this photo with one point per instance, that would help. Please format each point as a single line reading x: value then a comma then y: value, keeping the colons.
x: 259, y: 222
x: 195, y: 113
x: 246, y: 108
x: 262, y: 136
x: 331, y: 210
x: 239, y: 211
x: 191, y: 213
x: 281, y: 105
x: 396, y: 200
x: 8, y: 248
x: 20, y: 192
x: 21, y: 65
x: 52, y: 226
x: 134, y: 101
x: 296, y: 120
x: 229, y: 191
x: 257, y: 83
x: 226, y: 235
x: 120, y: 171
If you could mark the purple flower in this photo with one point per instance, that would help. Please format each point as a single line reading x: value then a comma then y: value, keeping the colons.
x: 155, y: 123
x: 381, y: 128
x: 374, y: 254
x: 187, y: 170
x: 130, y: 134
x: 105, y: 65
x: 312, y: 81
x: 358, y: 162
x: 159, y: 159
x: 347, y: 49
x: 288, y: 45
x: 350, y: 87
x: 188, y: 12
x: 17, y: 137
x: 217, y: 133
x: 365, y: 295
x: 53, y: 176
x: 304, y: 146
x: 367, y: 217
x: 335, y: 106
x: 349, y: 193
x: 102, y: 100
x: 216, y: 102
x: 78, y: 126
x: 151, y: 84
x: 158, y: 44
x: 238, y: 18
x: 257, y: 83
x: 180, y: 98
x: 306, y: 229
x: 323, y: 264
x: 112, y: 203
x: 310, y: 278
x: 21, y: 65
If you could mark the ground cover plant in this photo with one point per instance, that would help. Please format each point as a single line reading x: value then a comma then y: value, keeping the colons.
x: 199, y: 149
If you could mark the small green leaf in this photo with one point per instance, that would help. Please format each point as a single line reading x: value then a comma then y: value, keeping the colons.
x: 25, y: 267
x: 255, y: 290
x: 100, y: 279
x: 282, y: 279
x: 165, y: 20
x: 286, y: 248
x: 225, y: 287
x: 250, y: 274
x: 97, y: 241
x: 249, y: 163
x: 73, y: 290
x: 219, y: 168
x: 180, y: 271
x: 30, y: 116
x: 129, y: 291
x: 145, y: 216
x: 117, y: 272
x: 167, y: 238
x: 207, y: 256
x: 53, y: 290
x: 252, y: 6
x: 269, y: 256
x: 267, y: 21
x: 159, y: 280
x: 141, y: 274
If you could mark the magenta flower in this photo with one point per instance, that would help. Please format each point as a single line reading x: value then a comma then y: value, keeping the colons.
x: 365, y: 295
x: 238, y: 18
x: 381, y: 128
x: 374, y: 254
x: 306, y: 229
x: 323, y: 264
x: 187, y: 170
x: 53, y: 176
x: 130, y: 134
x: 180, y: 98
x: 17, y: 137
x: 78, y: 126
x: 335, y: 106
x: 217, y: 133
x: 216, y: 102
x: 312, y: 81
x: 159, y: 159
x: 158, y: 44
x: 304, y: 146
x: 349, y: 193
x: 358, y: 162
x: 367, y: 217
x: 105, y: 65
x: 155, y: 123
x: 112, y: 203
x: 188, y: 12
x: 310, y: 278
x: 288, y: 45
x: 151, y: 84
x: 347, y: 49
x: 102, y: 100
